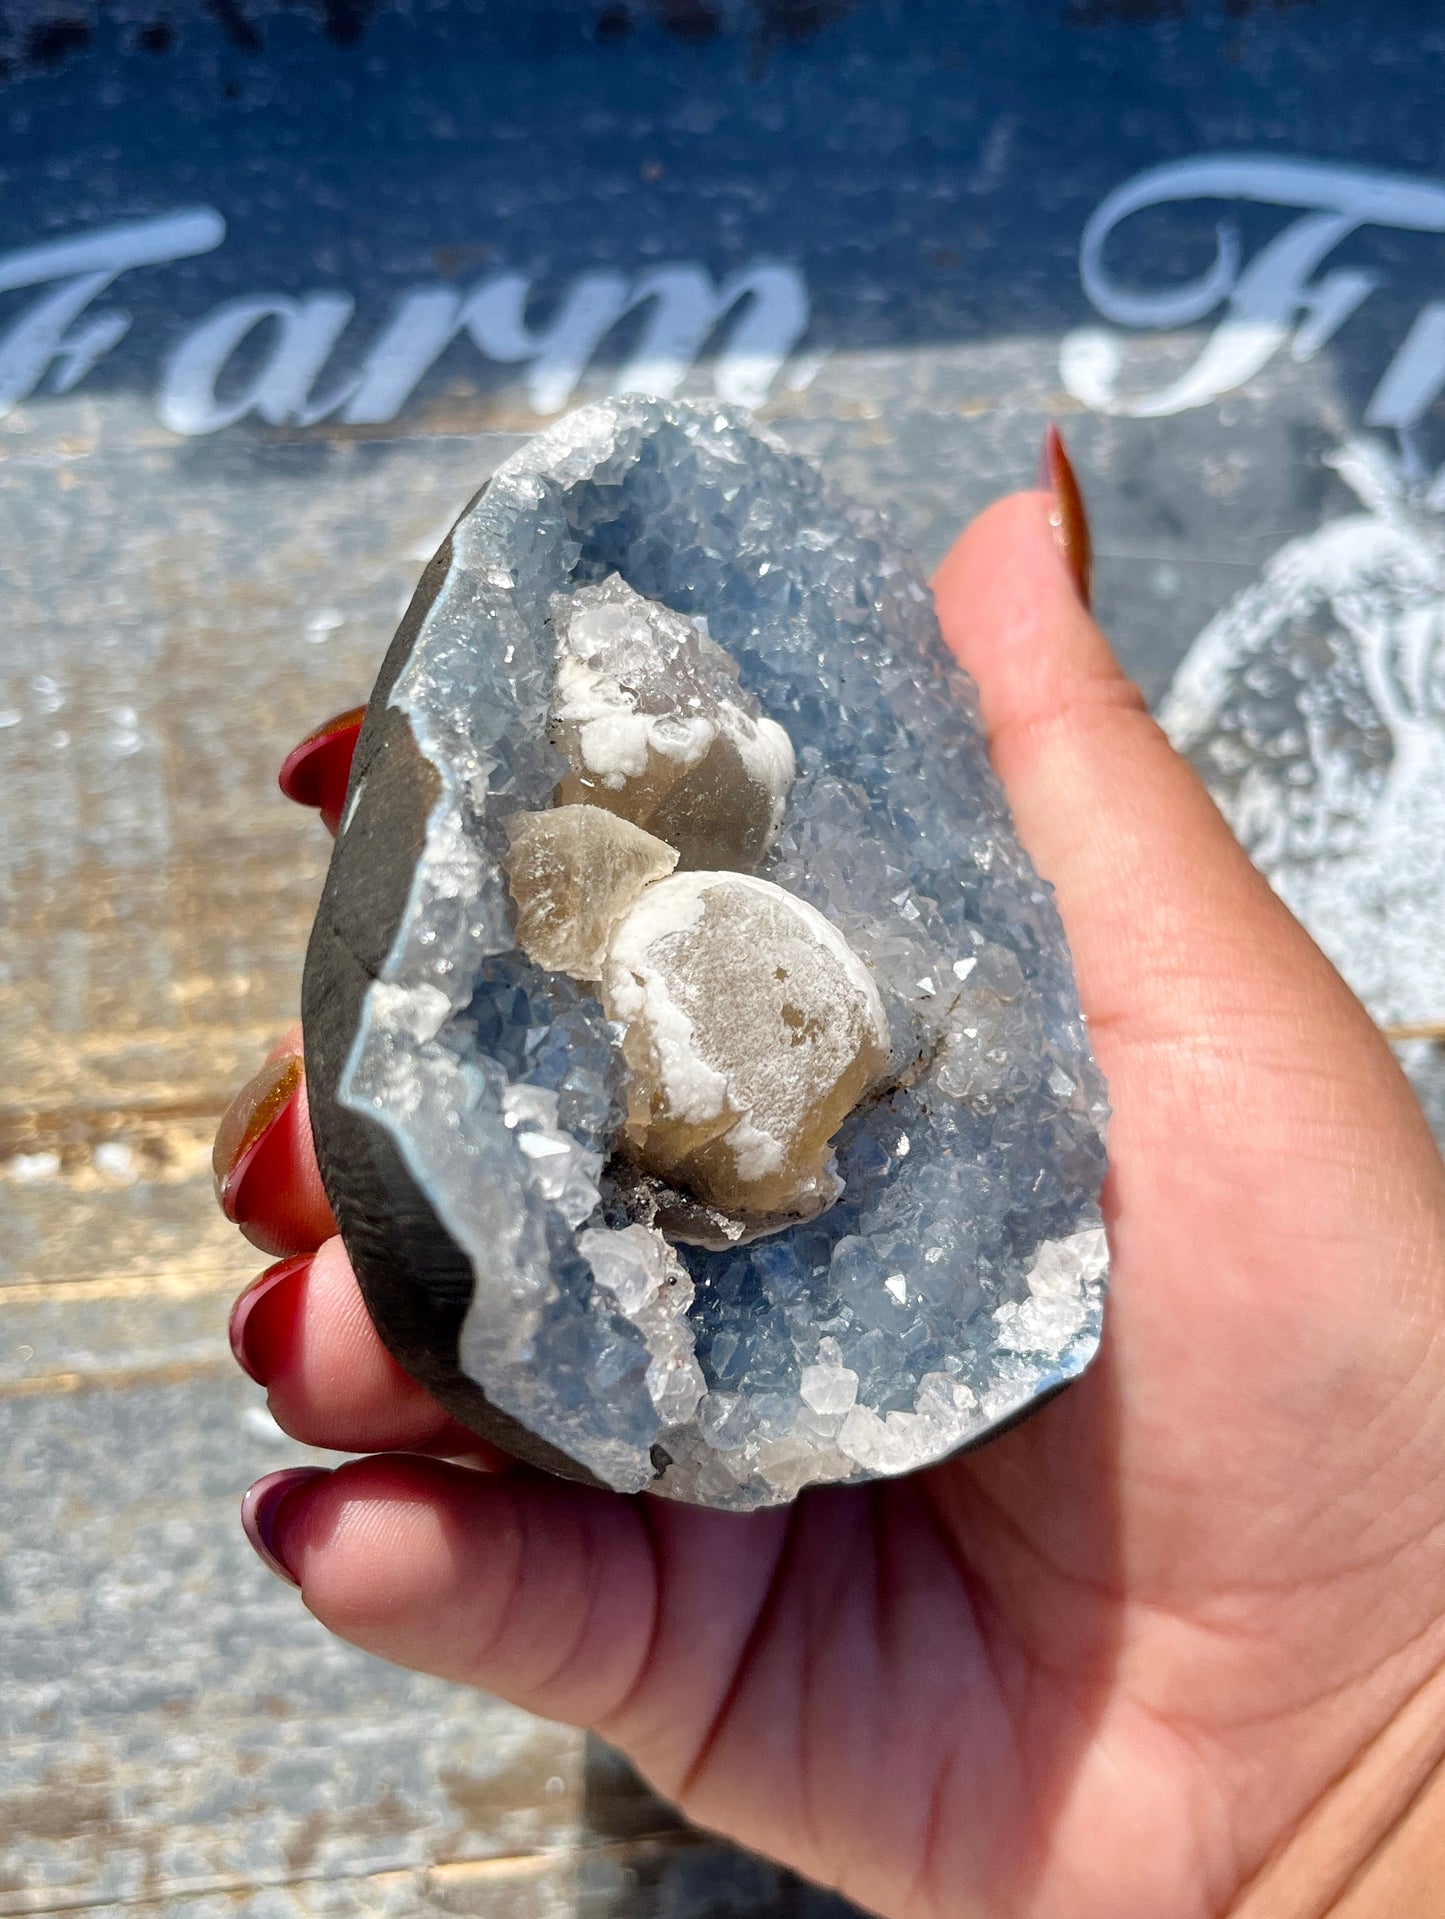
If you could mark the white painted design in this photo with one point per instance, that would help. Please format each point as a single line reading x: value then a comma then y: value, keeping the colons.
x: 46, y: 335
x: 1278, y: 298
x: 304, y: 333
x: 1314, y: 705
x: 757, y: 314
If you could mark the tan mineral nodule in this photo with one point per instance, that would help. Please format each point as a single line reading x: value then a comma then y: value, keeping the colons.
x: 752, y: 1031
x: 656, y: 728
x: 573, y: 873
x: 751, y: 1028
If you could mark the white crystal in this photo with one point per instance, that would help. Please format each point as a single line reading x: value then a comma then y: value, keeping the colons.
x: 1059, y: 1283
x: 829, y: 1387
x: 651, y: 717
x: 651, y: 1288
x: 566, y: 1172
x: 879, y: 1444
x: 945, y: 1400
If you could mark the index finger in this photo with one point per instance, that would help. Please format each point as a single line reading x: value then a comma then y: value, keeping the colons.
x: 267, y: 1179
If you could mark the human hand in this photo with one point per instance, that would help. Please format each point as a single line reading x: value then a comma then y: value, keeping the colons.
x: 1107, y: 1666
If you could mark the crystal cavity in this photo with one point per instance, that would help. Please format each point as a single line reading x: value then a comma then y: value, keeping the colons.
x: 659, y: 616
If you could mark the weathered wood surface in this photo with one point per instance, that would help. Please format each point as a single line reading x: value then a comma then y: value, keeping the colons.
x: 176, y: 1735
x: 179, y: 1734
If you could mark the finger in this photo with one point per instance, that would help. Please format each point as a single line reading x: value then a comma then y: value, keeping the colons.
x: 630, y: 1615
x: 1176, y: 937
x: 267, y: 1179
x: 540, y: 1591
x: 1231, y: 1047
x: 316, y: 771
x: 303, y: 1332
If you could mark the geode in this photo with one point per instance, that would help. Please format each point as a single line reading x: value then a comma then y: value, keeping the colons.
x: 696, y: 1066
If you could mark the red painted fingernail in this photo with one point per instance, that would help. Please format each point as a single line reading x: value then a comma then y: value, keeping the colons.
x: 261, y: 1510
x: 249, y: 1121
x: 1067, y: 517
x: 315, y: 772
x: 263, y: 1317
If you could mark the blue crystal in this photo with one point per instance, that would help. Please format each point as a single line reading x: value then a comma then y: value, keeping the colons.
x: 958, y: 1278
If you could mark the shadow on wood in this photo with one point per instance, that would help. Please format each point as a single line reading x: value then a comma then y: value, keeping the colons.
x: 646, y: 1862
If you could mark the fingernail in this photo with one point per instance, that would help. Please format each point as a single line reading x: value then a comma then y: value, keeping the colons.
x: 316, y: 770
x: 1067, y: 516
x: 261, y: 1513
x: 262, y: 1318
x: 249, y: 1121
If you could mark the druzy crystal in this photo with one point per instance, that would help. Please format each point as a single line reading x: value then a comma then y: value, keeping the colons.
x: 727, y: 1029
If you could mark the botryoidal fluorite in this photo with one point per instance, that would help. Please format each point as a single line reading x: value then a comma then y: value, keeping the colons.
x: 669, y: 735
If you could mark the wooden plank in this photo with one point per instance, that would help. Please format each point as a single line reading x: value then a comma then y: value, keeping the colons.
x: 127, y: 1198
x: 686, y: 1874
x: 167, y: 885
x: 178, y: 1735
x: 173, y: 1719
x: 57, y: 1339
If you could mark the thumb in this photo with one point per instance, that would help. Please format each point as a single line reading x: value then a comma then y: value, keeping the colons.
x: 1174, y: 932
x: 1231, y: 1047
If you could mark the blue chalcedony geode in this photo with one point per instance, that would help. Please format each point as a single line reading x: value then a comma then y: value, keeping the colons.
x: 957, y: 1277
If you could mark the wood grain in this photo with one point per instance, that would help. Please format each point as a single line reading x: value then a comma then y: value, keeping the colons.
x: 177, y: 1735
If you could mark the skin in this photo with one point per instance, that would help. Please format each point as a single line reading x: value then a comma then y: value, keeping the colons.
x: 1105, y: 1667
